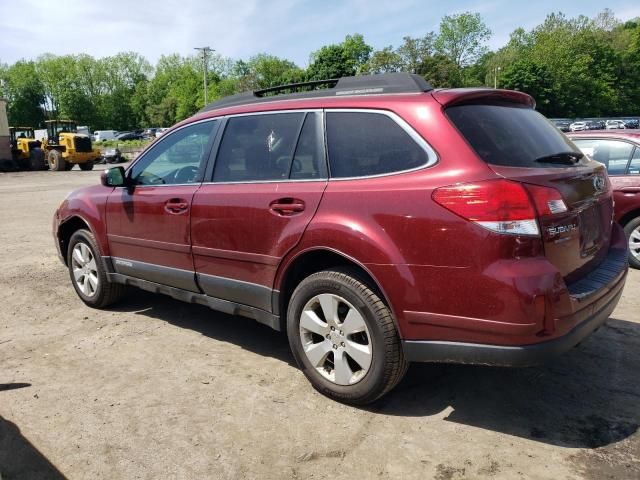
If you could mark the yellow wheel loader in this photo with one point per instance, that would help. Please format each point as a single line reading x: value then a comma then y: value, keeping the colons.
x: 26, y: 151
x: 65, y: 147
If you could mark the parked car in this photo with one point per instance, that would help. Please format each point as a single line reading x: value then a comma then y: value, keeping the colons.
x: 160, y: 131
x: 632, y: 123
x: 578, y: 126
x: 112, y: 155
x: 595, y: 125
x: 614, y: 124
x: 562, y: 125
x: 149, y: 133
x: 620, y: 153
x: 378, y: 222
x: 102, y: 135
x: 129, y: 136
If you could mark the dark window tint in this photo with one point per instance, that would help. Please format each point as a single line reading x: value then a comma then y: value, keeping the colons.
x: 362, y: 144
x: 634, y: 166
x: 309, y: 161
x: 510, y: 136
x: 176, y: 158
x: 614, y: 154
x: 258, y: 147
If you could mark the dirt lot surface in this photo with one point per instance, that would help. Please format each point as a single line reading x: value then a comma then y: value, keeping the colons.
x: 154, y: 388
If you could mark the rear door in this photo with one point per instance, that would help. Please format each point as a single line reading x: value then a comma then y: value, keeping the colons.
x: 268, y: 178
x: 148, y: 223
x: 520, y: 144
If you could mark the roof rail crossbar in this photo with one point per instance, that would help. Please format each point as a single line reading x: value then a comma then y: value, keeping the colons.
x: 296, y: 87
x: 358, y: 85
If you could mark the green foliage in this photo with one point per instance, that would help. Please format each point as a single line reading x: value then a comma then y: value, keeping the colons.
x: 574, y: 67
x: 462, y: 38
x: 340, y: 60
x: 24, y: 92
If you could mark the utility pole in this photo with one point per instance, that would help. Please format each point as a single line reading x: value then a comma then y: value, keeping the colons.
x: 205, y: 52
x: 495, y: 76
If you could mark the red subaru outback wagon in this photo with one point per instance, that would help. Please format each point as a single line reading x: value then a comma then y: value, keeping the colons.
x: 377, y: 221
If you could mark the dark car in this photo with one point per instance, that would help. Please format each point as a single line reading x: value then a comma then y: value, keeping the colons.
x: 633, y: 123
x: 377, y: 221
x: 129, y: 136
x: 619, y: 151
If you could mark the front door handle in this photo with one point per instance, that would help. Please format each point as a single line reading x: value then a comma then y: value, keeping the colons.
x: 630, y: 189
x: 176, y: 206
x: 287, y: 206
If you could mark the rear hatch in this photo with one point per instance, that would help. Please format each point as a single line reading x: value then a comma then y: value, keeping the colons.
x: 521, y: 145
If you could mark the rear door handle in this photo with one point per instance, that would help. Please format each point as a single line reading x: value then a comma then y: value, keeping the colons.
x: 287, y: 206
x: 630, y: 189
x: 176, y: 205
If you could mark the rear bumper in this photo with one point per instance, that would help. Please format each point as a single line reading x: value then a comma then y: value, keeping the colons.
x: 514, y: 356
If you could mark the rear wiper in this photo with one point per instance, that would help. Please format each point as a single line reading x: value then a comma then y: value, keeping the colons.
x: 566, y: 158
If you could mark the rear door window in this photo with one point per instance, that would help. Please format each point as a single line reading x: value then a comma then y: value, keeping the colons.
x: 614, y: 154
x: 368, y: 143
x: 510, y: 136
x: 258, y: 147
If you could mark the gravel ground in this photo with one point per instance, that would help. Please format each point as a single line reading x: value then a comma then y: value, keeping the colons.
x: 154, y: 388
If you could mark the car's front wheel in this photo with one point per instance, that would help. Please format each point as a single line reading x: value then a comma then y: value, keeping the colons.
x: 87, y: 272
x: 343, y: 337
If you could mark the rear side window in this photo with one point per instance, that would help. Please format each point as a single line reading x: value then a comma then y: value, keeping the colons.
x: 614, y: 154
x: 510, y: 136
x: 363, y: 144
x: 258, y: 147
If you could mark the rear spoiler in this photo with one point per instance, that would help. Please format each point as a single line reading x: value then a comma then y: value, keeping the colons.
x: 488, y: 96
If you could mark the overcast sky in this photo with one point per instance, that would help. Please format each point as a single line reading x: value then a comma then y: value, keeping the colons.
x: 241, y: 28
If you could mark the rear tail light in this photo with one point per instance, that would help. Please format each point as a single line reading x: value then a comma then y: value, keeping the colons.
x: 502, y: 206
x: 548, y: 201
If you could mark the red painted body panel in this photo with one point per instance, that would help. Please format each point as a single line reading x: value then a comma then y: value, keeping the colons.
x: 88, y: 204
x: 141, y: 228
x: 236, y: 235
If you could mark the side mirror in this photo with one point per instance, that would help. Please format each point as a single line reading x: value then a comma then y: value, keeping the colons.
x: 113, y: 177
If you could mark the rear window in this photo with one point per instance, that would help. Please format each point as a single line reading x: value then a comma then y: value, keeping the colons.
x: 363, y: 144
x: 510, y: 136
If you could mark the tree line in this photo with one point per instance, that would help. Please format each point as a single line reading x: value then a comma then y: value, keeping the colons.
x: 574, y: 67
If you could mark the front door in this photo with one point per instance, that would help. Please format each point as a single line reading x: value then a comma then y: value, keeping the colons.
x: 148, y: 222
x: 269, y: 176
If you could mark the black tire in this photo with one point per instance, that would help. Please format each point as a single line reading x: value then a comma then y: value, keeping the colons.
x: 69, y: 166
x: 88, y: 165
x: 388, y: 364
x: 629, y: 228
x: 55, y: 160
x: 106, y: 292
x: 36, y: 159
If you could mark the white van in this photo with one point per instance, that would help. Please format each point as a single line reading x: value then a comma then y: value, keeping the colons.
x: 101, y: 135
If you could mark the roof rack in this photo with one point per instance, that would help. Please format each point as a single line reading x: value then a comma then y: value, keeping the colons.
x: 359, y: 85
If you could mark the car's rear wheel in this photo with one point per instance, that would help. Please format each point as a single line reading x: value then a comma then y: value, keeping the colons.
x: 343, y: 337
x: 87, y: 272
x: 632, y: 230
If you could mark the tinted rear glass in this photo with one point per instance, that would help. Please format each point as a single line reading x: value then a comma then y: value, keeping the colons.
x: 510, y: 136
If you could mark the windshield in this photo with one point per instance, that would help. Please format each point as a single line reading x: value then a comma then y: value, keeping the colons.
x: 511, y: 136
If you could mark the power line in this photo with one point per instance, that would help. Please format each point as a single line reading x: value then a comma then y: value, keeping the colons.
x: 205, y: 52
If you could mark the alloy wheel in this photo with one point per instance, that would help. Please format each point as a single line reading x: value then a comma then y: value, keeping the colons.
x: 85, y: 270
x: 634, y: 243
x: 335, y: 339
